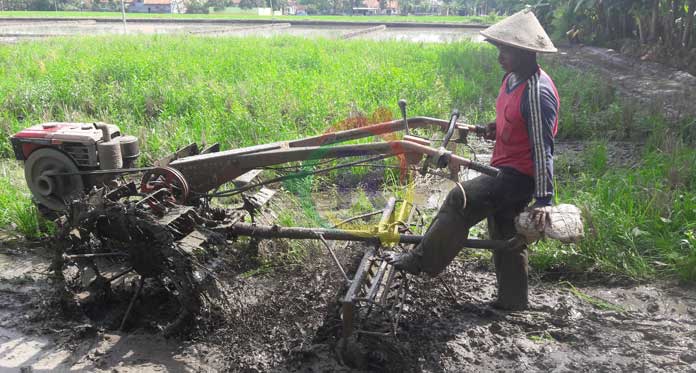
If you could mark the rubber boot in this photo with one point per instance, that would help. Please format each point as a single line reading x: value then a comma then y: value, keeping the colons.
x: 511, y: 268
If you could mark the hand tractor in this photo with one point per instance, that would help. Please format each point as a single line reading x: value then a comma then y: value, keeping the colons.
x: 120, y: 221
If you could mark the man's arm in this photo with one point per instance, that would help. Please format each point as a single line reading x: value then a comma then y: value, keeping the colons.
x: 540, y: 109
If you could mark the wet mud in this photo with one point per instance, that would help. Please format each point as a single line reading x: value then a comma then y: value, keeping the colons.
x: 658, y: 86
x: 284, y: 316
x: 286, y: 319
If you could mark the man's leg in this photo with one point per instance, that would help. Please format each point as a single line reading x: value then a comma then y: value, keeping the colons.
x: 510, y: 267
x: 450, y: 228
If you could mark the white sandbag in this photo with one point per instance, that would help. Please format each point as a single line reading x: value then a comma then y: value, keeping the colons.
x: 563, y: 223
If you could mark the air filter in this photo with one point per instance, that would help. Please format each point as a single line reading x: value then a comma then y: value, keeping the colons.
x: 110, y: 155
x: 130, y: 150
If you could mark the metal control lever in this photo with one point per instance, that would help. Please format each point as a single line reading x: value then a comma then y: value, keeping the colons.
x: 450, y: 129
x: 442, y: 159
x: 402, y: 106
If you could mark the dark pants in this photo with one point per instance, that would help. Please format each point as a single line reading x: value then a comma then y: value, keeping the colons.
x: 499, y: 199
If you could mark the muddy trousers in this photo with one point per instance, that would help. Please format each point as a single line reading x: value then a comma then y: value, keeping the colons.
x: 499, y: 199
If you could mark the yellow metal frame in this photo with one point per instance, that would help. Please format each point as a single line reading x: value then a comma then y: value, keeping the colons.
x: 387, y: 230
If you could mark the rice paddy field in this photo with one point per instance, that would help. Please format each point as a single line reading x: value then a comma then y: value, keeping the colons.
x: 12, y: 30
x: 328, y: 18
x: 172, y: 90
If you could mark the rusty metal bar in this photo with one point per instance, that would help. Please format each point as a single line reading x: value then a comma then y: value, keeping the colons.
x: 362, y: 216
x: 377, y: 281
x: 121, y: 274
x: 300, y: 233
x: 132, y: 302
x: 186, y: 151
x: 348, y: 305
x: 373, y: 130
x: 333, y: 255
x: 95, y: 255
x: 209, y: 171
x: 387, y: 285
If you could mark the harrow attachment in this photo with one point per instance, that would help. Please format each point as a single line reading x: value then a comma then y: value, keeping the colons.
x: 376, y: 295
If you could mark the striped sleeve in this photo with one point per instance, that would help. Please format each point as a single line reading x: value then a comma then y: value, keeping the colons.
x: 540, y: 109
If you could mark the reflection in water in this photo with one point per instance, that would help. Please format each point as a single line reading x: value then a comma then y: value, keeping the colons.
x: 13, y: 31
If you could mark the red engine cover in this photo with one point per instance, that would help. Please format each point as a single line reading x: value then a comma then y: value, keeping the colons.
x: 55, y: 134
x: 78, y: 132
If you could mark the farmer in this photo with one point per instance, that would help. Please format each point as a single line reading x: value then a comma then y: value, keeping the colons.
x: 525, y: 125
x: 573, y: 35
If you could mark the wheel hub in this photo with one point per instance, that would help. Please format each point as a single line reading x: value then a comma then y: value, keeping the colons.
x: 45, y: 185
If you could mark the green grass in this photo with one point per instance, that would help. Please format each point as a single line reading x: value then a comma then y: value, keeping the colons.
x: 598, y: 303
x: 18, y: 215
x: 171, y: 90
x: 356, y: 18
x: 639, y: 222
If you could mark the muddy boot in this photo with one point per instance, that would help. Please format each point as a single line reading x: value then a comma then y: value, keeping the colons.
x: 407, y: 262
x: 510, y: 267
x: 448, y: 231
x: 511, y: 272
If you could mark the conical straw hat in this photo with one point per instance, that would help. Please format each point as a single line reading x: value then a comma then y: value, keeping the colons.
x: 521, y: 30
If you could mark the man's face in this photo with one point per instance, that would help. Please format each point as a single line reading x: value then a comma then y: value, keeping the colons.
x: 508, y: 58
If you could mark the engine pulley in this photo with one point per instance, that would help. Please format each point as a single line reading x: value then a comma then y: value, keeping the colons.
x: 166, y: 178
x: 47, y: 188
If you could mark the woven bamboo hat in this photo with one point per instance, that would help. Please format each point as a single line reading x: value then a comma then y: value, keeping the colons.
x: 521, y: 30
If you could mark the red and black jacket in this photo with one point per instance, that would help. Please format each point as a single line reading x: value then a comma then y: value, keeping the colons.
x: 526, y: 124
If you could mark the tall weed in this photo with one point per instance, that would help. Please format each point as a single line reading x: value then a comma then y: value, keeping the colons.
x: 638, y: 222
x: 18, y: 214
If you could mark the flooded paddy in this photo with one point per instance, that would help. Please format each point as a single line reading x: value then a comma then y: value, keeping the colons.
x: 16, y: 30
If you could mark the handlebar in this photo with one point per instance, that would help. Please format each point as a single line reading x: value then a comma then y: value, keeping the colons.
x: 450, y: 128
x: 484, y: 169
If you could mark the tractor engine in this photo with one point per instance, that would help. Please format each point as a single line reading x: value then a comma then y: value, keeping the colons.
x: 58, y: 158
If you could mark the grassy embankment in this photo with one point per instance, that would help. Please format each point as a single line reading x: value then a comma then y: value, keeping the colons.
x: 170, y: 91
x: 356, y: 18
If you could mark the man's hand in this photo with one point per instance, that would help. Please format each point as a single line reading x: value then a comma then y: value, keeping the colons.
x: 490, y: 131
x: 539, y: 215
